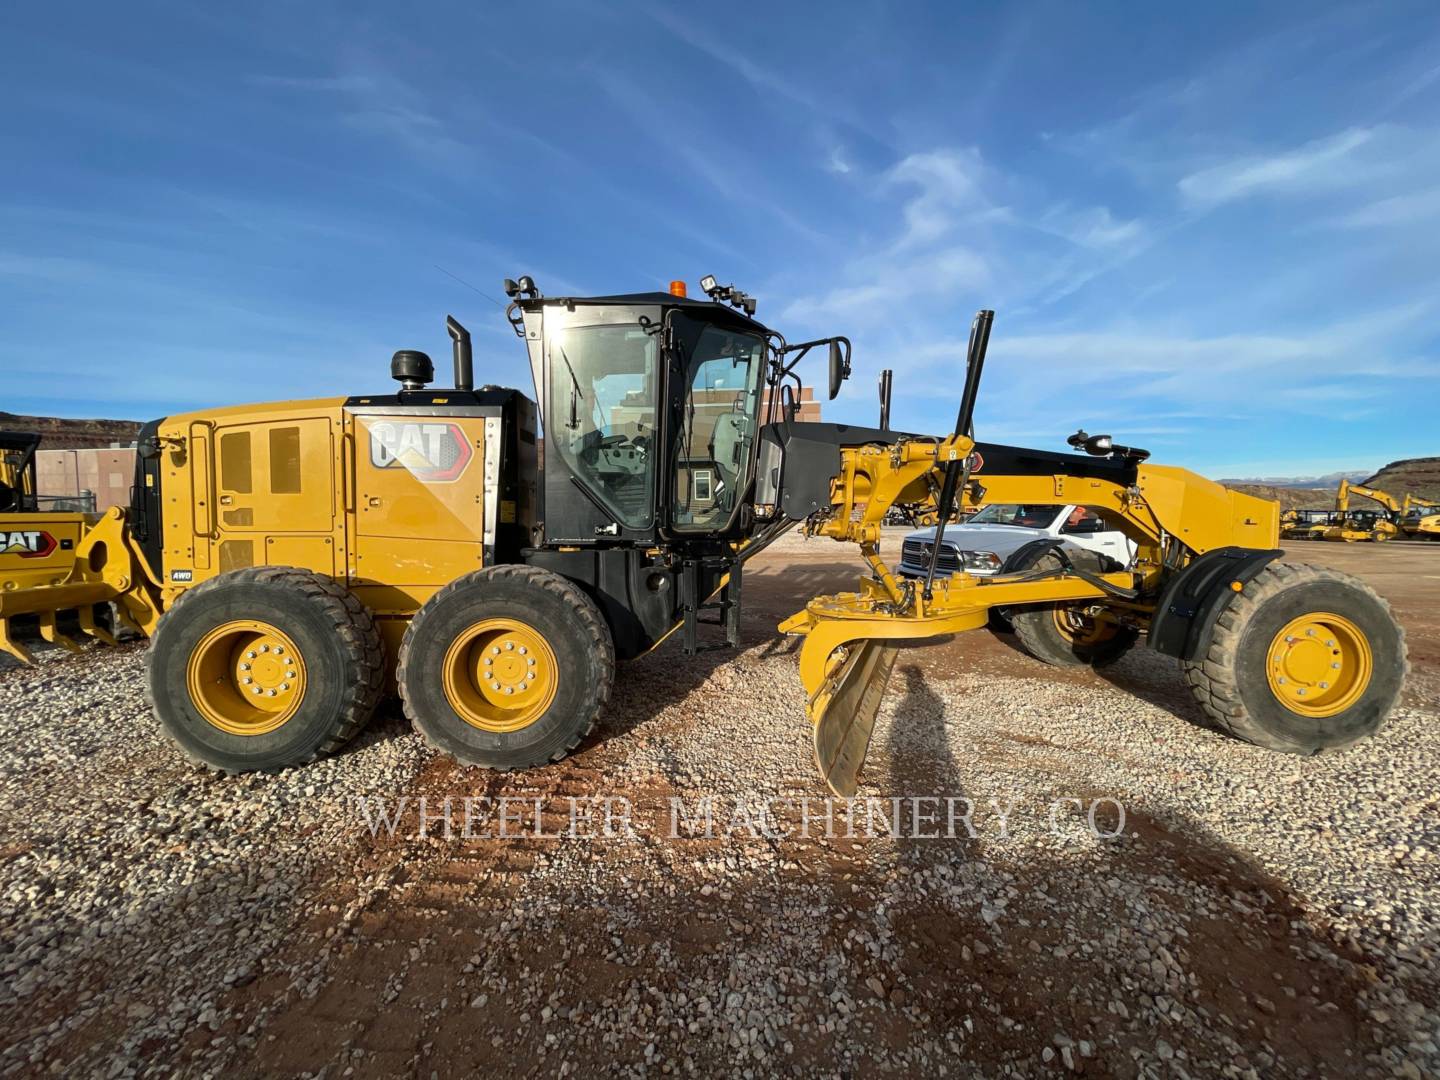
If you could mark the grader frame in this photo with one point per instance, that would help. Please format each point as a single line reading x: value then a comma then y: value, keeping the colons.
x: 291, y: 560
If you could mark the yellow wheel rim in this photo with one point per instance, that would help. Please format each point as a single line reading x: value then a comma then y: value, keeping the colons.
x: 1081, y: 629
x: 1319, y: 664
x: 246, y: 677
x: 500, y: 675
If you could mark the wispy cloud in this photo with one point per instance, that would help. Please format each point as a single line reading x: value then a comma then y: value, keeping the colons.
x: 376, y: 101
x: 1326, y: 162
x: 1408, y: 210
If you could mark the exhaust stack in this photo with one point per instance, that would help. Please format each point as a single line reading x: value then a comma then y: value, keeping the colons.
x: 464, y: 365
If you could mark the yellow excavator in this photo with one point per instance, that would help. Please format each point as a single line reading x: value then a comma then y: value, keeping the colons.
x: 1420, y: 518
x: 1351, y: 526
x: 290, y: 562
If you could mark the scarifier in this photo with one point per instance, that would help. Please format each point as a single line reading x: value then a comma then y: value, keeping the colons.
x: 290, y: 561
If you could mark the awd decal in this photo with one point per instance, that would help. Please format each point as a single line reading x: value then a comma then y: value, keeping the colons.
x: 182, y: 575
x: 434, y: 452
x: 27, y: 543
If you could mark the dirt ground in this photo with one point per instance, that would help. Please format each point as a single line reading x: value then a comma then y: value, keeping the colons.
x: 1189, y: 946
x: 446, y: 902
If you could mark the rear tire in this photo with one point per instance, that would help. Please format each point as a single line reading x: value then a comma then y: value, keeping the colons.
x: 466, y: 663
x: 1303, y: 660
x: 326, y: 672
x: 1058, y: 635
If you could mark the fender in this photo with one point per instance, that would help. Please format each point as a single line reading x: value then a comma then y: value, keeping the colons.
x: 1184, y: 619
x: 1027, y: 555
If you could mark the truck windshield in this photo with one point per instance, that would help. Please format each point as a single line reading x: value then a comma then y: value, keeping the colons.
x: 714, y: 450
x: 1022, y: 516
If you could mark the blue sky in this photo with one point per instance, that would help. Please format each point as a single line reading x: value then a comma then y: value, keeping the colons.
x: 1207, y: 229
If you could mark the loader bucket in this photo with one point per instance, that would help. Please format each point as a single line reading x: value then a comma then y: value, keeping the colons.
x: 843, y: 712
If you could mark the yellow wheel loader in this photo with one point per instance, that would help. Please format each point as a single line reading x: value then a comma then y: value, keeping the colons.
x: 1375, y: 526
x: 1420, y: 518
x: 38, y: 551
x: 290, y: 561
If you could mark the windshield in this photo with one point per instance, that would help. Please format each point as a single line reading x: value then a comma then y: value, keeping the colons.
x: 714, y: 450
x: 1021, y: 515
x: 601, y: 416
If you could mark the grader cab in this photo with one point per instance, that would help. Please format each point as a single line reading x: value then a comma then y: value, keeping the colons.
x: 292, y: 561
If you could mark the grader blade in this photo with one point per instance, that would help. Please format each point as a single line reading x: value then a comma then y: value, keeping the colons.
x: 843, y: 712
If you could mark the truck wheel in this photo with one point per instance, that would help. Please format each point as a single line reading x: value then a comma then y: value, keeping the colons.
x: 1304, y: 659
x: 1063, y: 635
x: 507, y: 667
x: 263, y: 668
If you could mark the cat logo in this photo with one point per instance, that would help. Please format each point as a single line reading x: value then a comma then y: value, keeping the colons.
x: 27, y: 543
x: 432, y: 452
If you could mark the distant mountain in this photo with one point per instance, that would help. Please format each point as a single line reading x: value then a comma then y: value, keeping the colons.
x: 1413, y: 476
x: 63, y: 433
x: 1290, y: 498
x: 1330, y: 480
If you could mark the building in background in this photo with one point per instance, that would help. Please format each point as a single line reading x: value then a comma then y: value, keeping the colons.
x: 81, y: 464
x: 809, y: 408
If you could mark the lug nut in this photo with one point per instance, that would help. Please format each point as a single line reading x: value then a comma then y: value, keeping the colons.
x: 244, y: 666
x: 1331, y: 644
x: 247, y: 680
x: 1310, y: 632
x: 509, y: 646
x: 251, y: 654
x: 1281, y: 680
x: 279, y: 649
x: 523, y: 650
x: 264, y: 648
x: 255, y: 689
x: 1335, y: 667
x: 284, y: 686
x: 494, y: 650
x: 494, y: 686
x: 1324, y: 686
x: 509, y: 689
x: 531, y: 661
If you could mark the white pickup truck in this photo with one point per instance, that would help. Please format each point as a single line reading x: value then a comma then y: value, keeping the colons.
x: 982, y: 543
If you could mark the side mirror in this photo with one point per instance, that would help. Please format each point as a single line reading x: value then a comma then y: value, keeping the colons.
x: 839, y: 366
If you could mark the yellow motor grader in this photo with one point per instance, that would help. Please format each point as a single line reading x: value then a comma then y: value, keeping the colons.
x: 290, y: 561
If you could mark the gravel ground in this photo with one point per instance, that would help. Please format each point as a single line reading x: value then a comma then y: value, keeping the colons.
x: 1257, y: 915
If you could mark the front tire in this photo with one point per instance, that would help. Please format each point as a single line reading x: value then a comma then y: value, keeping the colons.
x: 263, y: 668
x: 1065, y: 634
x: 1304, y: 659
x: 507, y: 667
